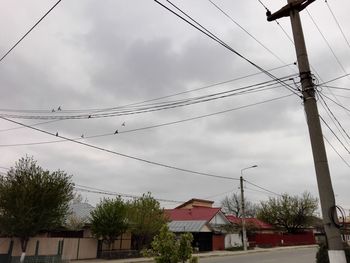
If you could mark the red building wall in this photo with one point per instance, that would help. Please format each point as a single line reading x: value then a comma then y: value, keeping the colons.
x: 218, y: 242
x: 276, y: 239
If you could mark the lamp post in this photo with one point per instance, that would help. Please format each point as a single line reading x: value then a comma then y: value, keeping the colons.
x: 244, y: 232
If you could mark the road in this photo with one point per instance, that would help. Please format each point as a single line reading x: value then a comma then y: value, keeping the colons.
x: 300, y: 255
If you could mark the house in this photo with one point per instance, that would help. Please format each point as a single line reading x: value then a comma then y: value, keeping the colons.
x: 262, y: 234
x: 72, y: 243
x: 77, y: 222
x: 210, y: 228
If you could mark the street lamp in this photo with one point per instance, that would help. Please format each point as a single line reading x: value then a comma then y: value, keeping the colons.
x: 244, y: 232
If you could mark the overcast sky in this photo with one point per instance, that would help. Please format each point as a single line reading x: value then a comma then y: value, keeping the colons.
x: 89, y: 54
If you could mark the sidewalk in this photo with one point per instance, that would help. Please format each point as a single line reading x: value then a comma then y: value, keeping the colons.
x: 200, y: 255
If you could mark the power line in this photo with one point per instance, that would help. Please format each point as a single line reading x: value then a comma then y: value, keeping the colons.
x: 336, y: 136
x: 247, y: 32
x: 88, y: 189
x: 254, y: 190
x: 212, y: 36
x: 284, y: 31
x: 8, y: 52
x: 152, y: 126
x: 122, y: 154
x: 337, y: 78
x: 263, y: 5
x: 337, y: 103
x: 337, y: 95
x: 335, y: 150
x: 34, y: 124
x: 338, y: 24
x: 335, y: 118
x: 262, y: 188
x: 333, y: 87
x: 324, y: 38
x: 162, y: 106
x: 149, y: 100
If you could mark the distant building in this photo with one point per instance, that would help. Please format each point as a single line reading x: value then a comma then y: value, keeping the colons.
x: 210, y: 228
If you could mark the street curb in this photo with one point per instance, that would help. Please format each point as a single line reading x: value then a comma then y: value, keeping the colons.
x: 254, y: 251
x: 199, y: 255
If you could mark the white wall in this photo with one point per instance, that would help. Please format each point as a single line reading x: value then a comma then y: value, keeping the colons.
x: 219, y: 219
x: 233, y: 240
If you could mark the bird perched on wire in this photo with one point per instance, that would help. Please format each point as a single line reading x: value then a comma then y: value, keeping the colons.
x: 116, y: 131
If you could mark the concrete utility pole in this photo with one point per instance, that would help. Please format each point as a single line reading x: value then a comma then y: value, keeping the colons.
x: 330, y: 218
x: 244, y: 231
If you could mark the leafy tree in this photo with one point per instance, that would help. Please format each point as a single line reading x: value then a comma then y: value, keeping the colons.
x: 109, y: 220
x: 289, y: 212
x: 146, y: 219
x: 232, y: 205
x: 166, y: 248
x: 32, y: 200
x: 185, y: 247
x: 74, y: 223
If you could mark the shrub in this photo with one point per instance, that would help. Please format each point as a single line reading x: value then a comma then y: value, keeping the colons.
x: 166, y: 248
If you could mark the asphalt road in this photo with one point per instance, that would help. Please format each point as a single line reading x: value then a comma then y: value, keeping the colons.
x: 298, y: 255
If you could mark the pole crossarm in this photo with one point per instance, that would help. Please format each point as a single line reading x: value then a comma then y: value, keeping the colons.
x: 298, y: 5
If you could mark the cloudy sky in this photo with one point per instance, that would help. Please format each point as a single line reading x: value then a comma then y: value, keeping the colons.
x: 118, y: 61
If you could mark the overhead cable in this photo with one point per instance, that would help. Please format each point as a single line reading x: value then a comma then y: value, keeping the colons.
x: 122, y: 154
x: 209, y: 34
x: 151, y: 126
x: 26, y: 34
x: 83, y: 188
x: 157, y: 107
x: 247, y: 32
x: 338, y: 24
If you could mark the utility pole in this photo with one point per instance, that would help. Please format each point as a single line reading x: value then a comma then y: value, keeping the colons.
x: 335, y: 247
x: 244, y: 231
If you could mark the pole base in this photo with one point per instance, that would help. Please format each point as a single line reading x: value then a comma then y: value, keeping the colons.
x: 336, y: 256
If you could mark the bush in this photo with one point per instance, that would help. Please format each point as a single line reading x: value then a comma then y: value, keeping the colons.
x: 322, y: 254
x: 166, y: 248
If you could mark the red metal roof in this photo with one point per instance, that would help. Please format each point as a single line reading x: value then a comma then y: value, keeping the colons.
x: 195, y: 213
x: 233, y: 219
x: 252, y: 221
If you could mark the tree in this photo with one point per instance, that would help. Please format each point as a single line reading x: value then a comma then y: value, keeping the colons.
x: 289, y: 212
x: 33, y: 200
x: 74, y: 222
x: 146, y: 219
x: 185, y: 247
x: 166, y: 248
x: 232, y: 205
x: 109, y: 220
